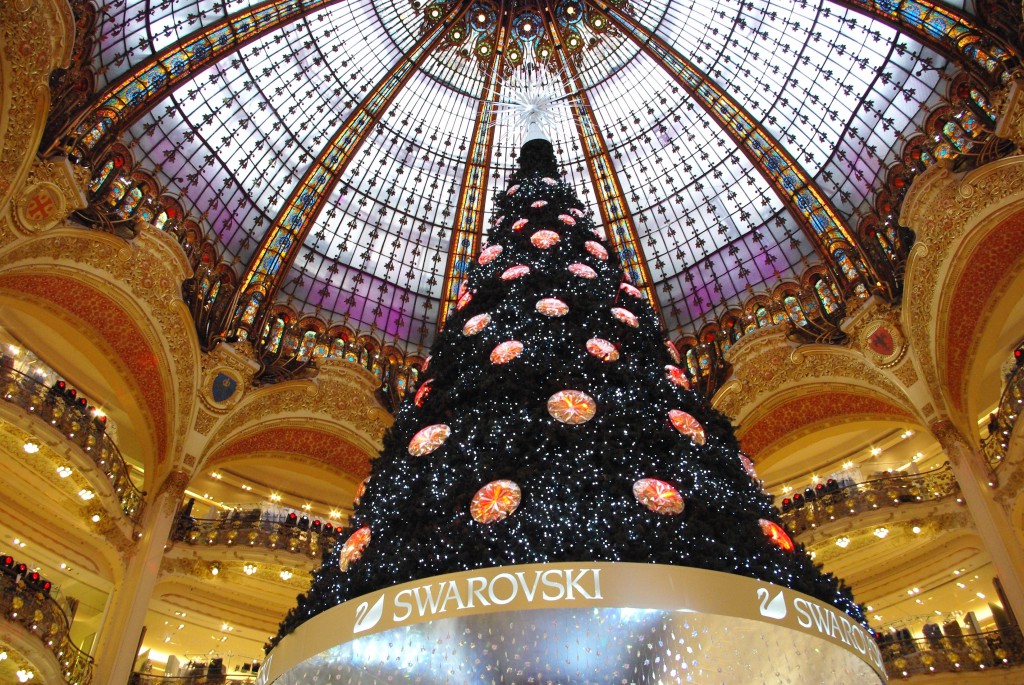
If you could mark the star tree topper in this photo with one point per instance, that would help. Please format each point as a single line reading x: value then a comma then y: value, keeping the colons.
x: 536, y: 100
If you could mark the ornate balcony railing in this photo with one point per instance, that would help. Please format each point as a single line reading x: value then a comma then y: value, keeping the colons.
x: 77, y: 427
x: 232, y: 679
x: 244, y: 533
x: 999, y: 429
x: 957, y: 653
x: 892, y: 491
x: 43, y: 617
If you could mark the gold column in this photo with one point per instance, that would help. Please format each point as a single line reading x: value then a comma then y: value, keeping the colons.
x: 123, y: 623
x: 994, y: 526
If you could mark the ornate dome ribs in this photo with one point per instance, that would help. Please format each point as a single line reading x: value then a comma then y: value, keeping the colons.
x: 345, y: 154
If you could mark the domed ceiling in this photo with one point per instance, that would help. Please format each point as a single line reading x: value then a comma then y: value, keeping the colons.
x: 352, y: 146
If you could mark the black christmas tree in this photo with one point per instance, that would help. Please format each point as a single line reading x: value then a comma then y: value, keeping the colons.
x: 552, y: 424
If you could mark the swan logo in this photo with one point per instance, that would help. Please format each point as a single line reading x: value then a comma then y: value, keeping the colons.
x: 776, y: 608
x: 367, y: 616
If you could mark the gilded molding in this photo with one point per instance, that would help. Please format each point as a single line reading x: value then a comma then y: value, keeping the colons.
x: 52, y: 190
x: 1011, y: 117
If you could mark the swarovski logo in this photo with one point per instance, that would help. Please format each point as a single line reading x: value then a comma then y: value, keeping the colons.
x: 774, y: 609
x: 453, y: 595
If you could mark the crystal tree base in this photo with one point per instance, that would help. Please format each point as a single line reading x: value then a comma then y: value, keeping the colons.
x: 578, y: 623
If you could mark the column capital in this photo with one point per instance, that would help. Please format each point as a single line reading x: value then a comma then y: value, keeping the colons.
x: 172, y: 490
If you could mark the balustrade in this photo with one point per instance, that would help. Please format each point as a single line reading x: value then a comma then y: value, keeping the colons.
x: 43, y: 617
x: 35, y: 398
x: 233, y: 679
x: 253, y: 533
x: 1001, y: 426
x: 952, y: 653
x: 892, y: 491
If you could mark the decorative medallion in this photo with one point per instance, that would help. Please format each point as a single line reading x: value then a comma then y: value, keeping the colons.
x: 512, y: 190
x: 223, y: 387
x: 775, y: 533
x: 506, y: 352
x: 602, y: 349
x: 625, y: 316
x: 352, y: 550
x: 421, y: 394
x: 544, y: 239
x: 426, y: 364
x: 360, y: 491
x: 748, y: 466
x: 658, y: 496
x: 476, y: 324
x: 596, y: 249
x: 518, y: 225
x: 539, y: 203
x: 464, y: 299
x: 547, y: 180
x: 673, y: 351
x: 572, y: 407
x: 489, y: 254
x: 429, y: 439
x: 677, y: 376
x: 884, y: 342
x: 514, y: 272
x: 687, y: 425
x: 582, y: 270
x: 567, y: 219
x: 552, y: 306
x: 495, y: 501
x: 631, y: 290
x: 576, y: 212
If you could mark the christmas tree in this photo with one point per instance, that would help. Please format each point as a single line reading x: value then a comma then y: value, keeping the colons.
x: 552, y: 423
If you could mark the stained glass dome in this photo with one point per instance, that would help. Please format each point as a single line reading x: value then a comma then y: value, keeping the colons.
x: 342, y: 155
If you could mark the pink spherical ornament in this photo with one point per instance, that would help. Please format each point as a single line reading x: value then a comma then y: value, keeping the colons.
x: 464, y: 299
x: 572, y: 407
x: 547, y: 180
x: 539, y: 203
x: 352, y: 550
x: 748, y: 466
x: 582, y: 270
x: 512, y: 190
x: 677, y: 376
x: 625, y: 316
x: 673, y: 351
x: 495, y: 501
x: 426, y: 364
x: 476, y: 324
x: 551, y: 306
x: 429, y: 439
x: 567, y: 220
x: 514, y: 272
x: 360, y: 491
x: 630, y: 290
x: 421, y: 395
x: 576, y: 212
x: 489, y: 254
x: 498, y: 219
x: 602, y: 349
x: 687, y: 425
x: 506, y: 352
x: 596, y: 230
x: 596, y: 249
x: 518, y: 225
x: 544, y: 239
x: 658, y: 496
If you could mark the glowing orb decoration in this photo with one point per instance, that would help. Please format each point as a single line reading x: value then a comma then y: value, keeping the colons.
x: 426, y: 363
x: 476, y: 324
x: 596, y: 249
x: 630, y: 290
x: 672, y: 351
x: 625, y: 316
x: 552, y: 306
x: 352, y: 550
x: 360, y: 491
x: 512, y: 190
x: 514, y: 272
x: 572, y: 407
x: 547, y: 180
x: 582, y: 270
x: 567, y: 219
x: 687, y: 425
x: 539, y: 203
x: 677, y: 376
x: 421, y: 394
x: 775, y: 533
x: 489, y: 254
x: 576, y: 212
x: 506, y: 352
x: 658, y: 496
x: 464, y: 299
x: 518, y: 226
x: 544, y: 239
x: 495, y: 501
x: 429, y: 439
x: 748, y: 466
x: 602, y: 349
